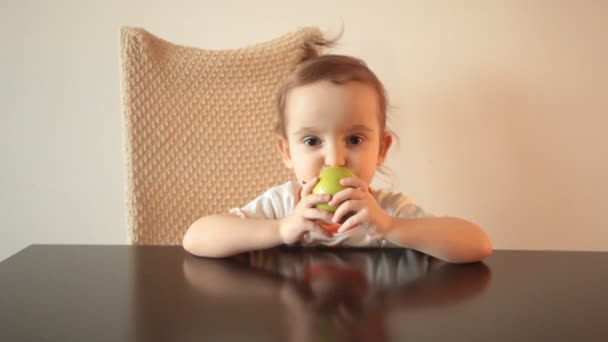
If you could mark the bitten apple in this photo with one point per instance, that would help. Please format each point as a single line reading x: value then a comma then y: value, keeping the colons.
x: 329, y: 183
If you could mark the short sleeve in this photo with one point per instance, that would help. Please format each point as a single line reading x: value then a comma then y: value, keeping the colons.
x: 276, y: 203
x: 397, y: 204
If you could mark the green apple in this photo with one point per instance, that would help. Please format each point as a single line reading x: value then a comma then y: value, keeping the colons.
x: 329, y: 183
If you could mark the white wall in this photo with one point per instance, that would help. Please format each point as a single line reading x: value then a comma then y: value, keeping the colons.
x: 501, y: 107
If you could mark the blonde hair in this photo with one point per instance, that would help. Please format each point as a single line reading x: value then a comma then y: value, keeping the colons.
x: 337, y: 69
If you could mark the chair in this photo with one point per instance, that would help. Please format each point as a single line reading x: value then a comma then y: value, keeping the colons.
x: 199, y: 128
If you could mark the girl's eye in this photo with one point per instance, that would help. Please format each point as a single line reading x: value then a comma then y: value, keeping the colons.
x: 355, y: 140
x: 311, y: 141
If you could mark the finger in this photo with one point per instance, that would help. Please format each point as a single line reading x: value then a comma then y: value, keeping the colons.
x: 311, y: 200
x: 347, y: 228
x: 307, y: 187
x: 346, y: 194
x: 355, y: 183
x: 345, y: 208
x: 343, y: 219
x: 318, y: 214
x: 352, y: 223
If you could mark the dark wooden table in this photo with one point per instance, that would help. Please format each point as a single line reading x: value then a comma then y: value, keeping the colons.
x: 149, y: 293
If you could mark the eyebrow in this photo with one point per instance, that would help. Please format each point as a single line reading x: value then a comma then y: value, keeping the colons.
x: 305, y: 130
x: 362, y: 128
x: 310, y: 129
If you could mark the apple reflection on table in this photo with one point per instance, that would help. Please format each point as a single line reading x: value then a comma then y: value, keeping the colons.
x: 339, y: 294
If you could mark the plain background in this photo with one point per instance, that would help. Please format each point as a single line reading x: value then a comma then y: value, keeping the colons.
x: 501, y: 107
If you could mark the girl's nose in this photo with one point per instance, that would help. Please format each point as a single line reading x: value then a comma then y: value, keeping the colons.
x: 335, y: 156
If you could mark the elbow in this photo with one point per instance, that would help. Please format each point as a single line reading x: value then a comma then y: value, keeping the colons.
x: 188, y: 242
x: 191, y: 241
x: 195, y: 242
x: 483, y: 251
x: 473, y: 255
x: 479, y: 251
x: 477, y: 248
x: 488, y: 249
x: 485, y: 248
x: 192, y: 245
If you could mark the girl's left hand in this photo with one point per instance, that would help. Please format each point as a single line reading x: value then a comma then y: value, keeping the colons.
x: 358, y: 202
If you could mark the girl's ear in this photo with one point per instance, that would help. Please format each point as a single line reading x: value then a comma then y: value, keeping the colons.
x: 283, y: 147
x: 385, y: 145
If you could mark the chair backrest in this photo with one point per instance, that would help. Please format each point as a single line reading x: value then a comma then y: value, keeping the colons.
x: 199, y: 128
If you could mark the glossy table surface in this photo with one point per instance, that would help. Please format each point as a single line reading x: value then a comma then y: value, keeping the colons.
x: 154, y: 293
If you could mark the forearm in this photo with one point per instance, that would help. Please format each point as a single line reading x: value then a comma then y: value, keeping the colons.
x: 223, y: 235
x: 447, y: 238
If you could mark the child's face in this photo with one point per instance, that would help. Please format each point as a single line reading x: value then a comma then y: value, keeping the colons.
x: 333, y: 125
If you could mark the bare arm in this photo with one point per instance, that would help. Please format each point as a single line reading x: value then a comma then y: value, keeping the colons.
x: 447, y: 238
x: 224, y: 235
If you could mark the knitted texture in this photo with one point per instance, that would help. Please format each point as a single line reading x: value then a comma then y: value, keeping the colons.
x: 199, y: 128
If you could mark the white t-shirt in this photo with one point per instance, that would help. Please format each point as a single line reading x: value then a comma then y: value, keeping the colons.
x: 279, y: 201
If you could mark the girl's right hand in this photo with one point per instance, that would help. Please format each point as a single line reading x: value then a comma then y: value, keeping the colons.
x: 302, y: 219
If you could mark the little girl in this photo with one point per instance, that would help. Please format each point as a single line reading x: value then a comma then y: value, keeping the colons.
x: 332, y: 112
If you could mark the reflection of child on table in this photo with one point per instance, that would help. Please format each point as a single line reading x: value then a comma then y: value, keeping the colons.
x: 342, y: 295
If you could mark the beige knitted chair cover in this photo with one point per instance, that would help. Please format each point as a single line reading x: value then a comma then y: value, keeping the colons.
x: 199, y: 128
